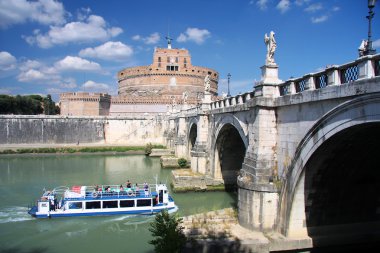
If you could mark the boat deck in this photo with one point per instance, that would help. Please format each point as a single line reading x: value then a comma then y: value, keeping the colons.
x: 115, y: 195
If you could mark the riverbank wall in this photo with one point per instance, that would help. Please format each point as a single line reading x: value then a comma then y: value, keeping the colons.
x: 46, y: 129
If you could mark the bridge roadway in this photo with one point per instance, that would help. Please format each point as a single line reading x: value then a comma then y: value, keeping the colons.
x: 303, y: 153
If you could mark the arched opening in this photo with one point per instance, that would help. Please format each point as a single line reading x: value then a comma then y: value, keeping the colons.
x: 342, y: 188
x: 229, y: 156
x: 192, y: 137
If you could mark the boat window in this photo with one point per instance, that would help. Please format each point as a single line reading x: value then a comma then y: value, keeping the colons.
x: 144, y: 202
x: 75, y: 205
x: 127, y: 203
x: 110, y: 204
x: 93, y: 205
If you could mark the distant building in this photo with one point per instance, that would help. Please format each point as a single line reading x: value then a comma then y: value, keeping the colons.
x: 84, y: 104
x: 169, y: 82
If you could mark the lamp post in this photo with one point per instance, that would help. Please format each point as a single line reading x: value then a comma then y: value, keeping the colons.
x: 369, y: 49
x: 228, y: 83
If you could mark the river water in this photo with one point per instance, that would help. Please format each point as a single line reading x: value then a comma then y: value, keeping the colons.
x: 22, y: 179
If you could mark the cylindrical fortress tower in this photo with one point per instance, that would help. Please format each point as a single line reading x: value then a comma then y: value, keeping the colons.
x: 167, y: 79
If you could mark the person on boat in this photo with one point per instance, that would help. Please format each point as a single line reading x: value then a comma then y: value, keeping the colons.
x: 137, y: 189
x: 55, y: 203
x: 121, y: 188
x: 128, y: 184
x: 51, y: 201
x: 146, y: 189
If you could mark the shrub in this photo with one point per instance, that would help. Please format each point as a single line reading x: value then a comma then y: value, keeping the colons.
x: 167, y: 232
x: 148, y: 149
x: 182, y: 162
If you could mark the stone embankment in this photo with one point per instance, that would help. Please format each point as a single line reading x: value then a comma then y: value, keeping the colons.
x: 219, y: 231
x: 184, y: 180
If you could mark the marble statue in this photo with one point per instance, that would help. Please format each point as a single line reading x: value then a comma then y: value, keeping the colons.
x: 185, y: 95
x: 362, y: 48
x: 207, y: 83
x: 271, y: 48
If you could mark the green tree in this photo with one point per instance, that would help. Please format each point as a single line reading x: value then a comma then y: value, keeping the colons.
x: 6, y: 104
x: 167, y: 232
x: 182, y: 162
x: 49, y: 105
x: 27, y: 105
x: 148, y: 148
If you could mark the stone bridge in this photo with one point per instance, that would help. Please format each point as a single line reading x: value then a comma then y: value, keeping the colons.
x: 302, y: 152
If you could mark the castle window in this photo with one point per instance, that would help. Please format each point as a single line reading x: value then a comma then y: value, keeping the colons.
x: 168, y: 59
x: 171, y: 68
x: 176, y: 59
x: 159, y: 59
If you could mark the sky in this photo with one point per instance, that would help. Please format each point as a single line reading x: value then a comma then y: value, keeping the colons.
x: 51, y: 47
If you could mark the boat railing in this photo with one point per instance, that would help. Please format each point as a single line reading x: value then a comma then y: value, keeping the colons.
x: 106, y: 191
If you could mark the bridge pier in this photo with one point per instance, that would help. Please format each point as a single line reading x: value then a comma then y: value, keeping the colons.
x: 199, y: 154
x: 181, y: 140
x: 258, y: 195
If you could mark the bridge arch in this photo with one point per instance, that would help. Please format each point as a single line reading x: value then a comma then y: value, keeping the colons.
x: 326, y: 192
x: 229, y: 150
x: 192, y: 136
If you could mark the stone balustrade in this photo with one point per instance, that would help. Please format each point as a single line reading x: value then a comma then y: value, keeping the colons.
x: 364, y: 67
x: 232, y: 101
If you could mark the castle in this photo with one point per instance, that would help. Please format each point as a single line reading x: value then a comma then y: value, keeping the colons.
x: 169, y: 83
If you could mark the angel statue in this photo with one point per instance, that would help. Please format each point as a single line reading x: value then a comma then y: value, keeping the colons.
x: 185, y: 95
x: 271, y: 47
x: 207, y: 83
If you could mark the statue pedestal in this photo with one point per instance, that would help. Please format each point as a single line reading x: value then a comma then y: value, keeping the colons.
x: 267, y: 87
x: 207, y: 98
x: 269, y: 74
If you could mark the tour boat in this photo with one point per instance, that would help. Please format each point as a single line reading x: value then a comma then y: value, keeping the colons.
x: 103, y: 200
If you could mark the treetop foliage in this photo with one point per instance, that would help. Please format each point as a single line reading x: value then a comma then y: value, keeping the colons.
x: 168, y: 233
x: 27, y: 105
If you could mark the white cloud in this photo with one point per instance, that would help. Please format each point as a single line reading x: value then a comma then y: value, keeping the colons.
x: 7, y: 61
x: 262, y: 4
x: 136, y: 37
x: 194, y: 34
x: 54, y: 91
x: 108, y: 51
x: 94, y: 28
x: 321, y: 19
x: 68, y: 83
x: 283, y: 6
x: 301, y: 2
x: 83, y: 13
x: 42, y: 11
x: 95, y: 87
x: 376, y: 43
x: 31, y: 75
x: 32, y: 71
x: 336, y: 8
x: 7, y: 90
x: 30, y: 64
x: 76, y: 63
x: 154, y: 38
x: 314, y: 7
x: 182, y: 38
